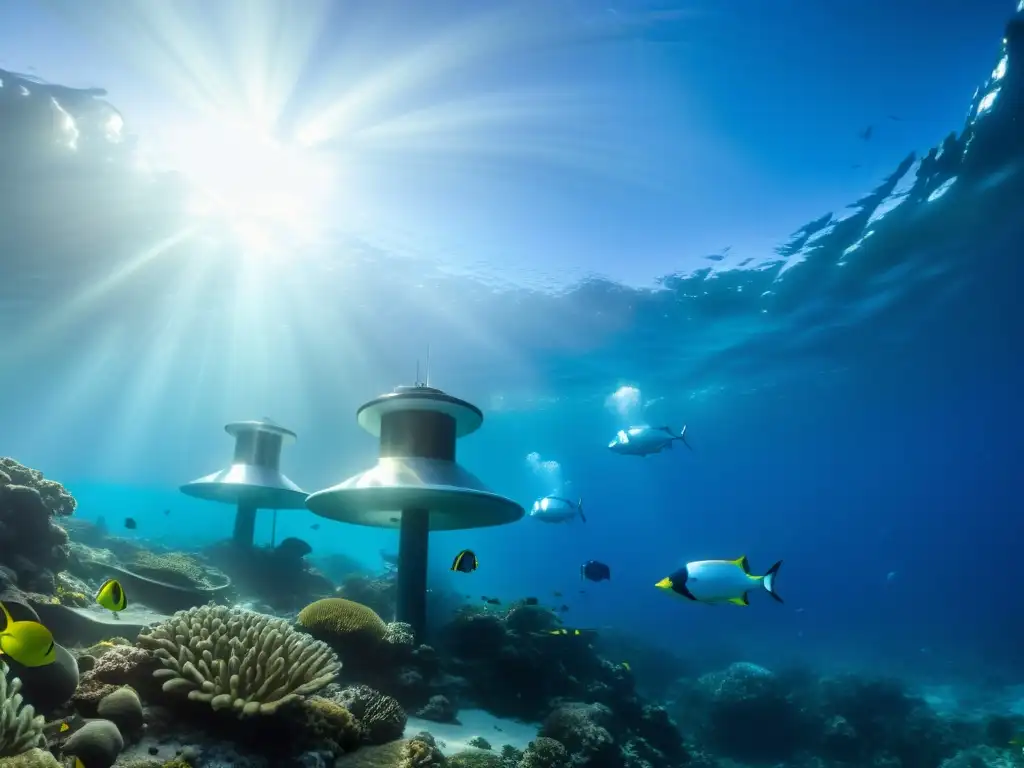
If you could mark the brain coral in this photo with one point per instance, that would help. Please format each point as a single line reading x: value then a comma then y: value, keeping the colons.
x: 238, y: 659
x: 341, y: 619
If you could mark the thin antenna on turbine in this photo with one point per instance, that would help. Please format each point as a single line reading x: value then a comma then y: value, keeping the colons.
x: 427, y: 382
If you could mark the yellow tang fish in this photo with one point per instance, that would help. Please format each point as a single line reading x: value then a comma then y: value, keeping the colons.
x: 27, y: 642
x: 111, y: 596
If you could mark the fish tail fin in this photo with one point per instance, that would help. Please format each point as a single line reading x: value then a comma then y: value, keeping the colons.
x: 579, y: 506
x: 768, y: 581
x: 682, y: 436
x: 7, y: 615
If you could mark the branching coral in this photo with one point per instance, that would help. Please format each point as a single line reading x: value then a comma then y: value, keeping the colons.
x: 20, y: 728
x: 237, y: 659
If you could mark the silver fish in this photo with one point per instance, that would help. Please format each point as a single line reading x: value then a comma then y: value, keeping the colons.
x: 555, y: 509
x: 645, y: 440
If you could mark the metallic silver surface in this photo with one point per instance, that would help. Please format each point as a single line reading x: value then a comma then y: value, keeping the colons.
x: 456, y: 499
x: 253, y: 479
x: 259, y: 487
x: 468, y: 417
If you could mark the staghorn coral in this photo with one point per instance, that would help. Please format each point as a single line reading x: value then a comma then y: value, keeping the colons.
x: 238, y: 659
x: 20, y: 728
x: 345, y: 621
x: 380, y: 716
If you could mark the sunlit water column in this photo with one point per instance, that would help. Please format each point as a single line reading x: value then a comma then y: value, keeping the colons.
x: 416, y: 486
x: 254, y: 480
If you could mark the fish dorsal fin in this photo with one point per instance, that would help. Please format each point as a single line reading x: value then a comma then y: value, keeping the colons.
x: 743, y: 600
x: 743, y: 563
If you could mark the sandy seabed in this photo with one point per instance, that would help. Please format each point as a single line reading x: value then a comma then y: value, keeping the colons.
x: 475, y: 722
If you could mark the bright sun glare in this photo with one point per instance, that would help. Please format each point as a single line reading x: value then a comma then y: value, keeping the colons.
x: 258, y: 188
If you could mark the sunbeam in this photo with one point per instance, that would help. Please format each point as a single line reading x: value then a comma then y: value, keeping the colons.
x: 91, y: 296
x: 146, y: 388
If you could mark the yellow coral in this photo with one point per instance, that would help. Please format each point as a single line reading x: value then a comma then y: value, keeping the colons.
x: 70, y: 597
x: 338, y: 618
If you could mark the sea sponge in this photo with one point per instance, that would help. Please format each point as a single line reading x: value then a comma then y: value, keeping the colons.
x: 380, y: 716
x: 238, y: 659
x: 97, y: 744
x: 335, y: 618
x: 20, y: 728
x: 34, y: 758
x: 123, y: 708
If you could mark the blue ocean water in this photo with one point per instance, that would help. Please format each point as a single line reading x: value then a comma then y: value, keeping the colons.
x: 852, y: 399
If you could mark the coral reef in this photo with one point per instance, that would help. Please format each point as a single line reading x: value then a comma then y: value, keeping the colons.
x: 177, y: 568
x: 33, y: 547
x: 238, y: 659
x: 345, y: 624
x: 381, y: 717
x: 410, y: 753
x: 20, y: 728
x: 34, y: 758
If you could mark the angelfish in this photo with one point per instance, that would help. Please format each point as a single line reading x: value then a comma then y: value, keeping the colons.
x: 645, y: 440
x: 719, y: 581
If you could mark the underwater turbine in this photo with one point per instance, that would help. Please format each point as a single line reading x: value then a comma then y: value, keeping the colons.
x: 416, y: 485
x: 254, y: 479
